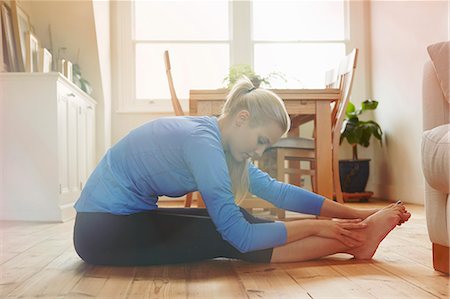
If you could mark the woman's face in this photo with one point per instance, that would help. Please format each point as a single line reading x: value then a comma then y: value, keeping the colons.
x: 251, y: 142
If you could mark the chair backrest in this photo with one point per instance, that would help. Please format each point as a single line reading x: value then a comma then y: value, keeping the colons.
x: 332, y: 79
x: 346, y: 72
x: 175, y: 102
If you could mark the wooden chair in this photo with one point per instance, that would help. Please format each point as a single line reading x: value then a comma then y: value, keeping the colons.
x: 303, y: 149
x: 173, y: 95
x: 332, y: 80
x: 179, y: 112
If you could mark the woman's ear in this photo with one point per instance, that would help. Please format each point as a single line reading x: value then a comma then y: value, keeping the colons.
x: 242, y: 117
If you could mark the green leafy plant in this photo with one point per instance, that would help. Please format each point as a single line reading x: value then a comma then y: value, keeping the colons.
x: 358, y: 132
x: 239, y: 70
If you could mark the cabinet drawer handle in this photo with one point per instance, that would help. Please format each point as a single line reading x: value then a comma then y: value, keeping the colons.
x: 71, y: 94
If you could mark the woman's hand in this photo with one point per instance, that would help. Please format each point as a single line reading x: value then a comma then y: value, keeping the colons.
x: 343, y: 230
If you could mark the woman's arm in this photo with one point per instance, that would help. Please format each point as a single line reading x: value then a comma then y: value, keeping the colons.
x: 344, y: 231
x: 204, y: 157
x: 336, y: 210
x: 282, y: 195
x: 296, y: 199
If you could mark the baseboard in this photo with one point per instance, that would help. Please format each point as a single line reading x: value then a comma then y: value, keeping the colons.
x: 441, y: 258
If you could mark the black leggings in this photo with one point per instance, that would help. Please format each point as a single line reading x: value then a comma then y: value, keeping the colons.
x: 161, y: 236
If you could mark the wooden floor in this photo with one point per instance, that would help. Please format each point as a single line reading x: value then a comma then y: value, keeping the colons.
x: 38, y: 260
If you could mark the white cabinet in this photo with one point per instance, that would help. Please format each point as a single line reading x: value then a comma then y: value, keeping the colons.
x: 47, y: 146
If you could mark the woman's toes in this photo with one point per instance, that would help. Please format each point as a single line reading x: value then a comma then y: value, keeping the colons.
x: 392, y: 205
x: 406, y: 216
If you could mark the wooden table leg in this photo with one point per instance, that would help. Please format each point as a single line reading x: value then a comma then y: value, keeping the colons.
x: 324, y: 174
x: 294, y: 179
x: 200, y: 202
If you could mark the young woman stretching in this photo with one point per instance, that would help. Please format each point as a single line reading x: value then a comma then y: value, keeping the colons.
x: 119, y: 223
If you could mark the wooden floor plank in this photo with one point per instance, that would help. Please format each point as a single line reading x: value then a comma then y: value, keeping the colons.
x: 92, y: 281
x: 6, y: 256
x: 118, y: 283
x: 47, y: 283
x: 37, y: 256
x: 420, y: 276
x: 12, y: 278
x: 159, y: 282
x: 268, y: 281
x: 55, y: 279
x: 312, y: 276
x: 380, y: 283
x: 213, y: 278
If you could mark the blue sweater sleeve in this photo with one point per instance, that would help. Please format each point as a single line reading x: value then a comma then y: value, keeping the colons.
x: 205, y: 158
x: 282, y: 195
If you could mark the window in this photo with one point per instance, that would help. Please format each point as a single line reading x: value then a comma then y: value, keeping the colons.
x: 301, y: 39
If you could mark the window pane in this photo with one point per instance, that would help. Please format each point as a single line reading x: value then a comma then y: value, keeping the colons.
x: 298, y: 20
x: 181, y: 20
x: 194, y: 66
x: 303, y: 64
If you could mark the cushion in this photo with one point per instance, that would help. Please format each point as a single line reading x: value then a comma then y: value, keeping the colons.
x: 440, y: 56
x: 436, y: 157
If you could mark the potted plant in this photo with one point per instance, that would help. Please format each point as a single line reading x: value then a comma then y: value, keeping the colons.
x: 354, y: 173
x: 239, y: 70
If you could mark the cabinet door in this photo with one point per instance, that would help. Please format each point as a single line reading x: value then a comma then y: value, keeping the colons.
x: 86, y: 141
x: 91, y: 158
x: 68, y: 147
x: 76, y: 138
x: 82, y: 143
x: 72, y: 144
x: 63, y: 160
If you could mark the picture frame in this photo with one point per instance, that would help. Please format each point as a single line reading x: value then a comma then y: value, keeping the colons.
x: 9, y: 37
x: 45, y: 60
x: 2, y: 44
x: 61, y: 64
x: 68, y: 67
x: 31, y: 52
x: 21, y: 25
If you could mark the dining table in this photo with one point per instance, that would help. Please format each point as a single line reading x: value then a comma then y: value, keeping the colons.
x: 298, y: 102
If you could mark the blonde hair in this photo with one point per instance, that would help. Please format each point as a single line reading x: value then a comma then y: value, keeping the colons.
x: 263, y: 106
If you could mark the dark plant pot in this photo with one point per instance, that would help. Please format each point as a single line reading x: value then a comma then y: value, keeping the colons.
x: 354, y: 175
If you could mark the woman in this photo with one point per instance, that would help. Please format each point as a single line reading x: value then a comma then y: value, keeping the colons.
x: 118, y: 221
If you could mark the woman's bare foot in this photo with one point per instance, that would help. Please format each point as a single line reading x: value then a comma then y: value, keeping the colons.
x: 364, y: 213
x: 405, y: 214
x: 379, y: 226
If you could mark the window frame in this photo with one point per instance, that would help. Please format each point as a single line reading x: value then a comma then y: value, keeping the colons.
x: 240, y: 41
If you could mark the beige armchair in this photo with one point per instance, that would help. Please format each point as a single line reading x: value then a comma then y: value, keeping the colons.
x: 436, y: 151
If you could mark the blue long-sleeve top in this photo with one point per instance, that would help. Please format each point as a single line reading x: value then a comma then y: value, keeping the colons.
x: 173, y: 156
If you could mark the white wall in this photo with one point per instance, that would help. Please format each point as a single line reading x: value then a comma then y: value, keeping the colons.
x: 359, y: 34
x: 102, y: 22
x: 74, y: 25
x: 400, y: 33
